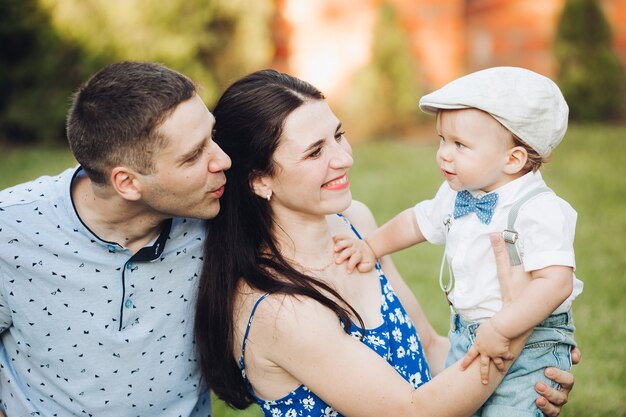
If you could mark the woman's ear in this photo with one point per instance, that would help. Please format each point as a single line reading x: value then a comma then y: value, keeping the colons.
x: 262, y: 187
x: 126, y: 183
x: 516, y: 160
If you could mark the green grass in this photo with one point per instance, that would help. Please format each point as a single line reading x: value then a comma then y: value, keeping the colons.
x: 20, y: 165
x: 588, y: 170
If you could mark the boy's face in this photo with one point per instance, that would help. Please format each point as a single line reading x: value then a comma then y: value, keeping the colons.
x: 473, y: 151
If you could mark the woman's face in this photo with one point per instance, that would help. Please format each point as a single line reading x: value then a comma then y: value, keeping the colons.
x: 312, y: 163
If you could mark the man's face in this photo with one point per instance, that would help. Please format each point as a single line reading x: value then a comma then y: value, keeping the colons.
x: 188, y: 177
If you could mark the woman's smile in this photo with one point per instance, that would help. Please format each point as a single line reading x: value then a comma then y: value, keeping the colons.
x: 337, y: 183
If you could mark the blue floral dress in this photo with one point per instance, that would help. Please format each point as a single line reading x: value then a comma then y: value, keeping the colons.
x: 395, y: 340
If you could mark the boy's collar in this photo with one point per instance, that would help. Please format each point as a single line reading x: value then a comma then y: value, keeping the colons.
x: 509, y: 192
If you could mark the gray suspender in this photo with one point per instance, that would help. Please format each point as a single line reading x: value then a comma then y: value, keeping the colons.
x: 510, y: 235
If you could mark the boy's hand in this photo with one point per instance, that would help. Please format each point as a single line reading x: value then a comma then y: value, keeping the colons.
x: 491, y: 346
x: 355, y: 251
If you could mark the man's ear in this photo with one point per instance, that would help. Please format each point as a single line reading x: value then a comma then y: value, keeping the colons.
x: 262, y: 187
x: 126, y: 183
x: 516, y: 160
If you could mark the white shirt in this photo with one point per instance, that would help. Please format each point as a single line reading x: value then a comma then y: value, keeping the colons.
x: 545, y: 224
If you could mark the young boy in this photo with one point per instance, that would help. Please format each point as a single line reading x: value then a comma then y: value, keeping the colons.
x: 496, y: 127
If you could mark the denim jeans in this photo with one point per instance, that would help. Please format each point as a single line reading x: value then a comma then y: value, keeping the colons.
x: 548, y: 345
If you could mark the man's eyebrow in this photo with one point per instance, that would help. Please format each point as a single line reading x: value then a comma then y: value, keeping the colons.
x: 193, y: 150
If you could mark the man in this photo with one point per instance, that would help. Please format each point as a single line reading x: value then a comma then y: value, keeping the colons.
x: 98, y: 265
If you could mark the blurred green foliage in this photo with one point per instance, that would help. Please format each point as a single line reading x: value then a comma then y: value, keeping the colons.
x: 383, y: 98
x: 49, y: 47
x: 38, y: 70
x: 590, y: 75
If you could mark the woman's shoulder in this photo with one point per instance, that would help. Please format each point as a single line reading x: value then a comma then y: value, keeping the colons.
x: 360, y: 216
x: 357, y: 208
x: 279, y: 313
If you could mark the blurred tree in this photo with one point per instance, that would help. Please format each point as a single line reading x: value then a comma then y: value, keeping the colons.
x: 213, y: 42
x: 37, y: 74
x: 383, y: 96
x: 590, y: 75
x: 49, y: 47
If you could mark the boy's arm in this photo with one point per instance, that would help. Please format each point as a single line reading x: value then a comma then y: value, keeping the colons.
x: 548, y: 224
x: 546, y: 291
x: 512, y: 281
x: 398, y: 233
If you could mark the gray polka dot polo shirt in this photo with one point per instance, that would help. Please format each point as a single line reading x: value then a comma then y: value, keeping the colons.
x: 88, y: 328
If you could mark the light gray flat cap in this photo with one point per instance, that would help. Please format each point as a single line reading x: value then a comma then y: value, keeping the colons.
x: 528, y: 104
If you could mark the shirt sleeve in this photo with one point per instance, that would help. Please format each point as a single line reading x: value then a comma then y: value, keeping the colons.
x: 430, y: 214
x: 546, y: 225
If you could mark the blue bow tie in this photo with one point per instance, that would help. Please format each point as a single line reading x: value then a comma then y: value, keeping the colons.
x: 483, y: 207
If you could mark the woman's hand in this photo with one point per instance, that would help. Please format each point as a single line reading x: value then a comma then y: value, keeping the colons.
x: 512, y: 282
x: 552, y: 400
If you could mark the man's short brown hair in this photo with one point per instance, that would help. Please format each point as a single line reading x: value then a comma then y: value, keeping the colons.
x: 115, y: 116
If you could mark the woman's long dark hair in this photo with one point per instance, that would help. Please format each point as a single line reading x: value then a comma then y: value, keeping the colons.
x: 239, y: 243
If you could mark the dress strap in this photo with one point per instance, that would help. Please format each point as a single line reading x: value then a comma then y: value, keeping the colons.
x: 345, y: 219
x: 242, y: 365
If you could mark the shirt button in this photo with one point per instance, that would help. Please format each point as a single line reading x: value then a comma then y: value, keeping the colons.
x: 128, y: 303
x: 129, y: 265
x: 111, y: 248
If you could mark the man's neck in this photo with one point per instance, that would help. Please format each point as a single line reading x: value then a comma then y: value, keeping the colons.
x: 113, y: 218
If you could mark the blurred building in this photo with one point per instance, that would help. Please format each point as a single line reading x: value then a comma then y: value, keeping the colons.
x: 325, y: 41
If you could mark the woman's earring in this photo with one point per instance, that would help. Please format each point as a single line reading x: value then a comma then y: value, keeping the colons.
x: 269, y: 196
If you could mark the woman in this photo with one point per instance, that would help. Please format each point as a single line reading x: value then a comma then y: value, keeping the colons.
x: 278, y: 321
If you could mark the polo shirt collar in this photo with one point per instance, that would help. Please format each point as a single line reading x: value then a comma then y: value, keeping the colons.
x: 147, y: 253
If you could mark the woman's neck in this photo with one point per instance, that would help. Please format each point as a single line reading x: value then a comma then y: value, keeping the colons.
x: 305, y: 241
